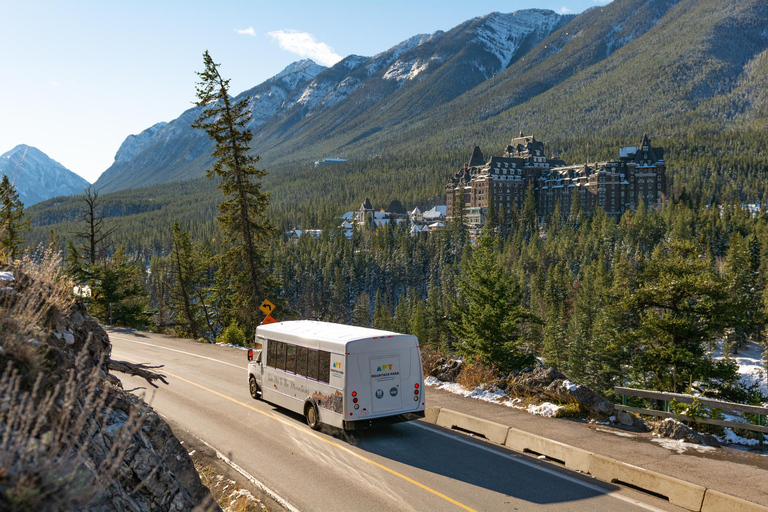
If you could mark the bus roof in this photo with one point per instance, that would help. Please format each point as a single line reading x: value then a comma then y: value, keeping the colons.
x: 329, y: 335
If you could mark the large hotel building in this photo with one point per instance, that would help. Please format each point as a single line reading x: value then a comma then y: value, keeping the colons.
x: 615, y: 186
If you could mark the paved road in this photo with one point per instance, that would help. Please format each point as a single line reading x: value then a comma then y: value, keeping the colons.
x: 409, y: 466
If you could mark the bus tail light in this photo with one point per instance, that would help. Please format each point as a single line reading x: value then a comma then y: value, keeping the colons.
x: 250, y: 354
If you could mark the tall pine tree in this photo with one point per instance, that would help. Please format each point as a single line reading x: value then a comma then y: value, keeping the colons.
x: 242, y: 213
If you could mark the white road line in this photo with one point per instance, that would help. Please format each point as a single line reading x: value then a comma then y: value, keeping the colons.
x: 522, y: 460
x: 175, y: 350
x: 263, y: 488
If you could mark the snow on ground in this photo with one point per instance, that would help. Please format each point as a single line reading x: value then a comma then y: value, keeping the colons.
x: 546, y: 409
x: 680, y: 446
x: 494, y: 395
x: 487, y: 395
x: 750, y: 361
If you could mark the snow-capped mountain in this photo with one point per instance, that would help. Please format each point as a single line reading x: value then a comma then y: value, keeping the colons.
x: 162, y: 152
x: 37, y: 177
x: 410, y: 78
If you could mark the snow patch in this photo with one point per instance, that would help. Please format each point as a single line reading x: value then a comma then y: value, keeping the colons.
x: 503, y: 34
x: 570, y: 386
x: 730, y: 437
x: 402, y: 71
x: 681, y: 446
x: 546, y: 409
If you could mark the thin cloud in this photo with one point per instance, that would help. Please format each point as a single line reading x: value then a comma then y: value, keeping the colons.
x: 246, y: 31
x: 564, y: 10
x: 305, y: 45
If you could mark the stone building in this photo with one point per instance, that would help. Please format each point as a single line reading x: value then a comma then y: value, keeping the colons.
x: 615, y: 186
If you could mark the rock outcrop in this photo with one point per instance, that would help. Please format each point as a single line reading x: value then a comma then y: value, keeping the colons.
x: 76, y: 439
x: 548, y: 384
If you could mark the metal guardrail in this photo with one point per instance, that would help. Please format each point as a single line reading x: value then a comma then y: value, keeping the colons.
x: 761, y: 412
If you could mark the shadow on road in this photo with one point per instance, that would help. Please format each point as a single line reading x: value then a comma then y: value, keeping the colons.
x: 469, y: 463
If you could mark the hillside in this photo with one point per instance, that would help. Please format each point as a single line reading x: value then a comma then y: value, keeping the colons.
x: 633, y: 66
x: 359, y: 96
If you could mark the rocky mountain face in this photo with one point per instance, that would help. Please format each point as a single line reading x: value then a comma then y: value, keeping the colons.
x: 174, y: 151
x: 311, y: 99
x: 632, y: 66
x: 37, y: 177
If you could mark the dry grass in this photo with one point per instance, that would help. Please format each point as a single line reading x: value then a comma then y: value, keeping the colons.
x: 475, y: 374
x: 57, y: 449
x: 47, y: 437
x: 226, y: 492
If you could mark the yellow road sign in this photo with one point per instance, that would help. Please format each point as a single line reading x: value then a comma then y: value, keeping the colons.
x: 267, y: 307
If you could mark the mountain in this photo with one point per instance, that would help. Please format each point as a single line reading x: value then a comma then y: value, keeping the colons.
x: 614, y: 72
x: 175, y: 151
x: 307, y: 101
x: 37, y: 177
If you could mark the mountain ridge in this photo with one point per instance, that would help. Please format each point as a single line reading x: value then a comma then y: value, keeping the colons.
x: 632, y: 65
x: 37, y: 177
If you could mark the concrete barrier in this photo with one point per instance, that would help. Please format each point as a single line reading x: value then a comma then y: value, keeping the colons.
x: 573, y: 458
x: 495, y: 432
x: 715, y: 501
x: 431, y: 414
x: 680, y: 493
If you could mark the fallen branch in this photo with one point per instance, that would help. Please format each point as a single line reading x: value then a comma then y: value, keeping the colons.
x: 138, y: 370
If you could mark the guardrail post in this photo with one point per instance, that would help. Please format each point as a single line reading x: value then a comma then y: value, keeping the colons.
x: 623, y: 399
x: 761, y: 422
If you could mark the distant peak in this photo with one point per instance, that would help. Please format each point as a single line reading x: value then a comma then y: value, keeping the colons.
x: 307, y: 66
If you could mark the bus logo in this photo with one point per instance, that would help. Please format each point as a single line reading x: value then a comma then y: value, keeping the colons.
x: 337, y: 365
x: 384, y: 368
x: 379, y: 393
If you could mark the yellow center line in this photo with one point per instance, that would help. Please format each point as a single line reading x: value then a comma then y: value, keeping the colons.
x: 332, y: 443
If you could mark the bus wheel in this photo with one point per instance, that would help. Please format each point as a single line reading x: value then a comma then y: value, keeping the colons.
x: 255, y: 391
x: 310, y: 412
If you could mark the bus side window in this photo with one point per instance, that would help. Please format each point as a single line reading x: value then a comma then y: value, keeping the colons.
x: 271, y: 353
x: 280, y: 355
x: 325, y: 367
x: 312, y: 364
x: 290, y: 358
x: 301, y: 361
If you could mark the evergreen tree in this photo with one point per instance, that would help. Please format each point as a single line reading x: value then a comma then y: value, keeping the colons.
x: 121, y: 298
x: 746, y: 316
x: 679, y: 304
x: 361, y: 315
x: 490, y: 316
x: 242, y: 213
x: 12, y: 222
x: 186, y: 269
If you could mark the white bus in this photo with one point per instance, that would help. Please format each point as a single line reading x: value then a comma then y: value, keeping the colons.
x: 344, y: 376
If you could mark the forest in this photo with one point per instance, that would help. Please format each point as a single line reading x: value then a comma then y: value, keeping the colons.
x: 634, y: 301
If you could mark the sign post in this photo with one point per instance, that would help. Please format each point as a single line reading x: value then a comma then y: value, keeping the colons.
x: 267, y: 308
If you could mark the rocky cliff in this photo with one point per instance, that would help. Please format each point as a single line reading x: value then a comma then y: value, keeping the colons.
x: 70, y: 437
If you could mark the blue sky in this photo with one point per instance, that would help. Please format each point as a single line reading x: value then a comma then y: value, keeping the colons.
x: 79, y: 77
